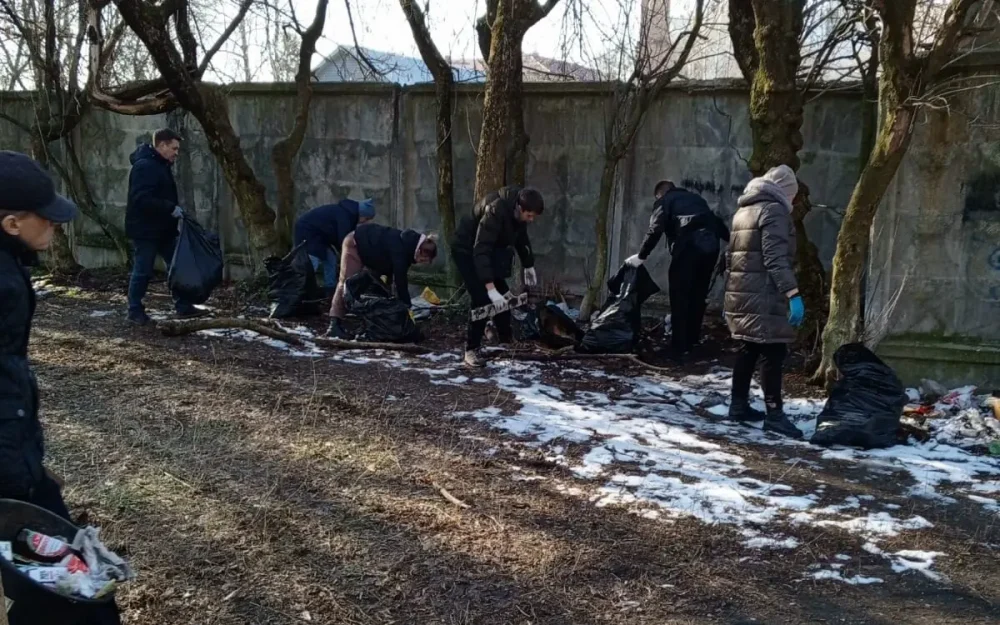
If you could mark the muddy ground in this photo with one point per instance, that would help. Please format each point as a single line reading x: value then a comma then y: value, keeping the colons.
x: 250, y: 487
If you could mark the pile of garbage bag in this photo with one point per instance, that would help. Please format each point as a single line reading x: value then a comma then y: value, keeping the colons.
x: 617, y: 328
x: 385, y: 318
x: 291, y: 285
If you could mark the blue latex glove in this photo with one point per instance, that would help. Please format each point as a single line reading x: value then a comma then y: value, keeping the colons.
x: 796, y: 311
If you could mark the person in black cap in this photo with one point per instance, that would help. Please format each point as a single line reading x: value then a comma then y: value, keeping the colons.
x: 151, y: 219
x: 29, y: 210
x: 693, y: 234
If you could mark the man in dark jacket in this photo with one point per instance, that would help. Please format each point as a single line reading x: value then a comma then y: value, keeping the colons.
x: 151, y: 219
x: 763, y: 305
x: 29, y: 208
x: 693, y: 233
x: 385, y: 251
x: 481, y: 251
x: 323, y: 230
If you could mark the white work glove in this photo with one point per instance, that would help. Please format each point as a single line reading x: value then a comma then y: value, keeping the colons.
x: 178, y: 212
x: 634, y: 261
x: 495, y: 297
x: 530, y: 277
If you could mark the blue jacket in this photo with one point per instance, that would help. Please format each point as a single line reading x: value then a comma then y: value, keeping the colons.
x: 152, y: 196
x: 21, y: 448
x: 388, y: 252
x: 326, y: 226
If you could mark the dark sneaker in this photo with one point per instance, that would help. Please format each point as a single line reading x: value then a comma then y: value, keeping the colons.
x: 475, y: 358
x: 192, y: 313
x: 741, y: 412
x: 778, y: 423
x: 139, y: 318
x: 336, y: 331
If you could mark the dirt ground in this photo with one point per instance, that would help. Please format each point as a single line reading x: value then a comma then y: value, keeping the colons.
x: 250, y: 487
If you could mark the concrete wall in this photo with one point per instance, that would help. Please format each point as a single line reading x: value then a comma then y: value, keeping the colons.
x: 379, y: 140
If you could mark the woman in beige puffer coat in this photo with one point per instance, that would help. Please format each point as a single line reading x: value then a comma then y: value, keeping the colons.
x: 762, y: 303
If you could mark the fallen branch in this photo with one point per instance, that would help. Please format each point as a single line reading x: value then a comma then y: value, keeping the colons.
x: 453, y: 499
x: 266, y: 328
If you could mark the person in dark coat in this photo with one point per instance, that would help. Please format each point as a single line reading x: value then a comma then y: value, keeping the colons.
x: 151, y: 219
x: 385, y: 251
x: 763, y: 306
x: 481, y: 251
x: 29, y: 208
x: 693, y: 234
x: 323, y: 230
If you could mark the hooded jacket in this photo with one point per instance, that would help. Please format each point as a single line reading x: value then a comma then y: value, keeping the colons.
x: 680, y: 214
x: 152, y: 196
x: 21, y: 446
x: 760, y: 266
x: 492, y: 227
x: 326, y: 226
x: 388, y: 252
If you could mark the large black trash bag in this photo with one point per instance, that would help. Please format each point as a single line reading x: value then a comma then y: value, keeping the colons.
x: 556, y: 328
x: 617, y: 328
x: 865, y: 404
x: 525, y: 324
x: 196, y: 268
x: 291, y: 285
x: 385, y: 318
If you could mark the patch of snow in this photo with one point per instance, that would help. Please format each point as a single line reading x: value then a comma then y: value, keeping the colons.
x: 919, y: 561
x: 761, y: 542
x: 100, y: 313
x: 856, y: 580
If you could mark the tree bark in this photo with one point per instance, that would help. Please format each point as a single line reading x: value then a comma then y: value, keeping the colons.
x: 59, y: 259
x: 503, y: 116
x: 590, y: 299
x: 284, y: 152
x: 444, y: 90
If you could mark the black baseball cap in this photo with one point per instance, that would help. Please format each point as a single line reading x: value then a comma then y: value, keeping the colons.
x: 26, y: 186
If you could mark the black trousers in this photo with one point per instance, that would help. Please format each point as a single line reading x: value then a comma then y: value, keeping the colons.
x: 48, y: 495
x: 477, y: 292
x: 691, y: 270
x: 772, y: 356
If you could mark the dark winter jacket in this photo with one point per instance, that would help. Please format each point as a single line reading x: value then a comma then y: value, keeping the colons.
x: 760, y: 266
x: 152, y: 196
x: 21, y: 448
x: 490, y: 227
x: 326, y: 226
x: 680, y: 214
x: 388, y: 252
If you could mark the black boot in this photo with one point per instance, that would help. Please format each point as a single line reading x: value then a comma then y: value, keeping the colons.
x: 741, y: 412
x: 336, y: 331
x: 777, y: 422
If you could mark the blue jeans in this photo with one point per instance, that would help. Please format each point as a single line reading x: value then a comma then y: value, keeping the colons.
x: 331, y: 268
x: 145, y: 252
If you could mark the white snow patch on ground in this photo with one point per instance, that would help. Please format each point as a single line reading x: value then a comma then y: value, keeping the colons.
x: 100, y: 313
x: 649, y: 450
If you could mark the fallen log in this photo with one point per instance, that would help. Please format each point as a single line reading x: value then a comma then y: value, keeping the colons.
x: 270, y: 330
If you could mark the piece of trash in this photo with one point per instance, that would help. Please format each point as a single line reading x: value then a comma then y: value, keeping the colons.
x: 430, y: 296
x: 38, y: 546
x: 305, y: 616
x: 44, y: 574
x: 931, y: 390
x: 5, y: 551
x: 995, y: 448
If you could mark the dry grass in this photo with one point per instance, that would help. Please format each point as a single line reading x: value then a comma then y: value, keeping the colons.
x: 249, y: 487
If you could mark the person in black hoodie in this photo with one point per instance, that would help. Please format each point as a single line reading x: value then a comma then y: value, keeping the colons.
x: 481, y: 251
x: 385, y: 251
x: 29, y: 208
x: 151, y: 219
x: 693, y: 234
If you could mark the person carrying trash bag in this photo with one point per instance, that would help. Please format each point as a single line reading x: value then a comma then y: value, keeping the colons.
x: 323, y: 230
x: 151, y: 220
x: 693, y: 234
x: 385, y: 251
x: 29, y: 208
x: 496, y: 223
x: 762, y: 303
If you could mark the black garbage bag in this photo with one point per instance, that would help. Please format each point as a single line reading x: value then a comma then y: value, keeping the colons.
x: 525, y: 324
x: 617, y: 328
x: 556, y: 328
x: 385, y: 318
x: 291, y: 285
x: 196, y: 268
x: 865, y: 404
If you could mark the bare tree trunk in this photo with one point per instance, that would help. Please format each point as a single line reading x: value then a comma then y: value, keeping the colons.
x: 284, y: 152
x: 59, y: 259
x: 607, y: 189
x: 855, y: 235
